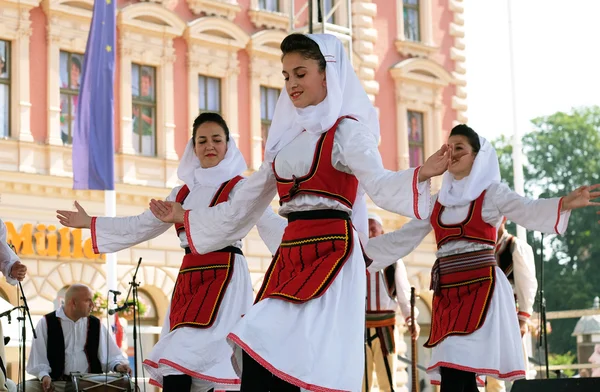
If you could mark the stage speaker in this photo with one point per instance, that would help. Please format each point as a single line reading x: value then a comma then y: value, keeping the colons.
x: 558, y: 385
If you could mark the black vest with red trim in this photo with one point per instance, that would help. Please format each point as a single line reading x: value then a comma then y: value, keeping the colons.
x: 221, y: 195
x: 504, y: 258
x: 473, y: 228
x: 55, y: 346
x: 389, y: 276
x: 322, y: 179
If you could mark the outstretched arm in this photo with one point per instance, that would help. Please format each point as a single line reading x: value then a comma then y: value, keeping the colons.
x: 405, y: 192
x: 544, y: 215
x: 111, y: 234
x: 212, y: 228
x: 389, y: 247
x: 10, y: 265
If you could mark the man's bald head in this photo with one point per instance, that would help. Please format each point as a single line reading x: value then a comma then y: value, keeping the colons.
x: 78, y: 301
x: 75, y: 291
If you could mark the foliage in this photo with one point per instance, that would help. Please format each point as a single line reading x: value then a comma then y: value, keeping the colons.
x: 563, y: 153
x: 563, y: 359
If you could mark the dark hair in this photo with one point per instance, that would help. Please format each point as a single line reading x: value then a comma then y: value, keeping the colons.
x: 75, y: 61
x: 209, y: 117
x: 469, y: 133
x: 306, y: 47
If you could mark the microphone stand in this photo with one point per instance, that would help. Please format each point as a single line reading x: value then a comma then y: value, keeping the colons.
x: 543, y: 329
x: 133, y: 286
x: 24, y: 315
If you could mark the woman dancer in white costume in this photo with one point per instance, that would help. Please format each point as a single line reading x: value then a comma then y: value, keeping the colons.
x: 474, y: 330
x: 306, y: 329
x: 213, y: 290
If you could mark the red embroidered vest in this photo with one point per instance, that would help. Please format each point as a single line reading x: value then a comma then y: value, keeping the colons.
x: 322, y: 179
x: 473, y: 228
x: 221, y: 195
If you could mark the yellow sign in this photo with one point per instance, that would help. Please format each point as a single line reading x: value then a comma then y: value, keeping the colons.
x: 43, y: 240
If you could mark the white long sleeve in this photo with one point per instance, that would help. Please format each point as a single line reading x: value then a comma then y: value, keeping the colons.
x: 354, y: 151
x: 75, y: 335
x: 112, y: 234
x: 524, y: 276
x: 389, y: 247
x: 7, y: 257
x: 542, y: 215
x: 403, y: 289
x: 397, y: 191
x: 270, y: 229
x: 212, y: 228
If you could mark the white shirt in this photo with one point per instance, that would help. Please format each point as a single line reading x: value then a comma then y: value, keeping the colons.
x: 525, y: 285
x: 542, y: 215
x: 378, y: 298
x: 7, y: 256
x: 75, y: 335
x: 112, y: 234
x: 354, y: 151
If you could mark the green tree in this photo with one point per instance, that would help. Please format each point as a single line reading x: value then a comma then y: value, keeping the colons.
x: 563, y: 152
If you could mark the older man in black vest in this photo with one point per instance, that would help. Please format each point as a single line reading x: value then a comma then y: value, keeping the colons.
x: 71, y: 340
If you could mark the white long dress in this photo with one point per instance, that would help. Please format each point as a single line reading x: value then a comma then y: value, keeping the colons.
x: 201, y: 353
x: 495, y: 349
x: 317, y: 345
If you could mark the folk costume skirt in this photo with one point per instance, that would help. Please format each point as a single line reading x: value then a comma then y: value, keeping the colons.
x: 307, y: 326
x: 474, y: 319
x: 201, y: 351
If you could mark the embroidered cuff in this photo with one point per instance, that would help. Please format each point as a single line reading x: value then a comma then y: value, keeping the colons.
x: 93, y: 231
x: 523, y: 316
x: 562, y: 218
x: 188, y: 234
x: 421, y: 192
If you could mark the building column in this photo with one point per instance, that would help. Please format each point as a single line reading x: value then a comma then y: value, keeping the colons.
x: 126, y: 145
x: 402, y: 133
x: 230, y: 103
x: 166, y: 143
x: 256, y: 154
x: 53, y: 137
x: 23, y: 110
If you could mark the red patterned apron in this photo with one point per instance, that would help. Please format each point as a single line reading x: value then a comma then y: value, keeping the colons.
x: 463, y: 284
x: 316, y: 244
x: 202, y: 279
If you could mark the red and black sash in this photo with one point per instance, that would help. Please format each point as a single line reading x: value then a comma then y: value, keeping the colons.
x: 315, y: 247
x: 203, y: 279
x: 463, y: 286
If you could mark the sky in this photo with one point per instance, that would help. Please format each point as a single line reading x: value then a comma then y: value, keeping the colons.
x: 557, y: 61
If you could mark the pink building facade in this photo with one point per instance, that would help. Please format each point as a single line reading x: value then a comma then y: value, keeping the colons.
x: 176, y: 58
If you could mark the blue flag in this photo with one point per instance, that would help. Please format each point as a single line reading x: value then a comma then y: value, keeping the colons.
x: 93, y: 135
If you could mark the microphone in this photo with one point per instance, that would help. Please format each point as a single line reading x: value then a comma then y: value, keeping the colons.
x: 120, y: 308
x: 115, y: 293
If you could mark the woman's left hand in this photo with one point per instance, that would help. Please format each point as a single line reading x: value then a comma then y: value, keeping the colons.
x: 167, y: 211
x: 581, y: 197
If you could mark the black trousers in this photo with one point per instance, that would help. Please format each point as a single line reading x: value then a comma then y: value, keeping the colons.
x: 454, y: 380
x: 178, y: 383
x: 256, y: 378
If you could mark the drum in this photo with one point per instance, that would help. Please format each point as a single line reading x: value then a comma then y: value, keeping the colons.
x: 111, y: 382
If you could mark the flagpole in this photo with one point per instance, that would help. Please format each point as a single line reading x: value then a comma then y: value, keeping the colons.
x: 110, y: 210
x: 517, y: 155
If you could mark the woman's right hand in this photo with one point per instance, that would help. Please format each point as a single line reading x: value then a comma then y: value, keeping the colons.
x: 78, y: 219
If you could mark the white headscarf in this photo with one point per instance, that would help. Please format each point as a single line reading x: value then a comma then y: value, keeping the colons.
x: 485, y: 172
x: 190, y: 171
x: 345, y: 96
x: 376, y: 218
